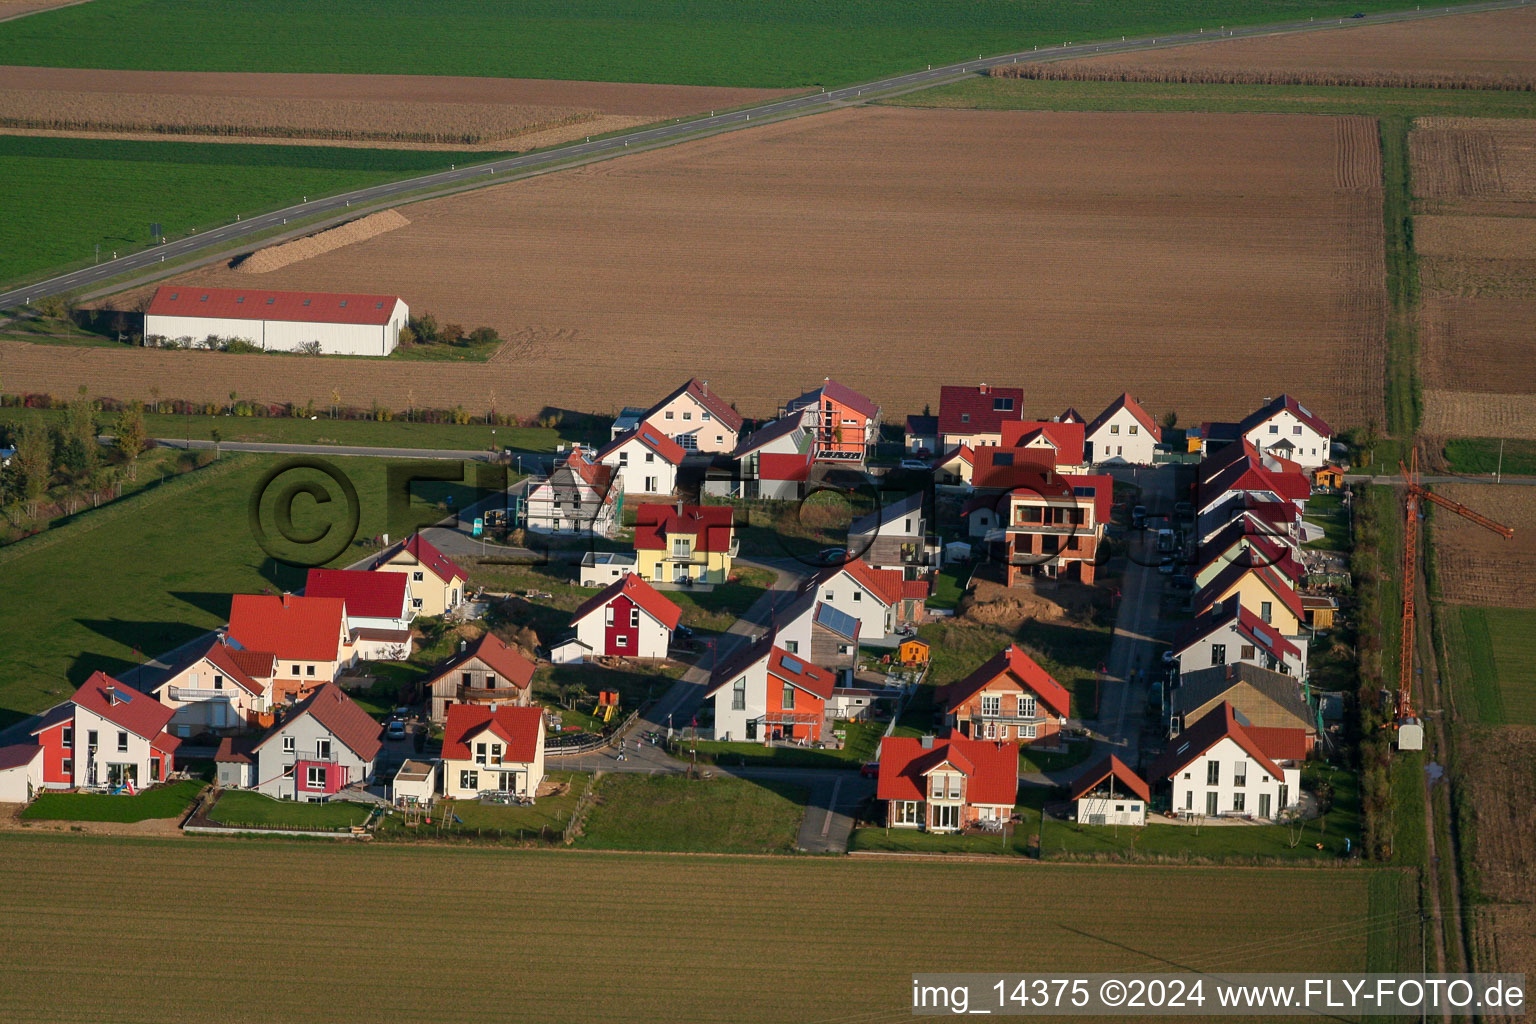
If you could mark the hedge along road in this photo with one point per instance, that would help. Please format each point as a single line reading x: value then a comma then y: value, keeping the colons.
x: 480, y: 175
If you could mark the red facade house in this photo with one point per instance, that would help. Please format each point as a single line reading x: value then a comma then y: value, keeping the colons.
x: 845, y: 424
x: 628, y: 619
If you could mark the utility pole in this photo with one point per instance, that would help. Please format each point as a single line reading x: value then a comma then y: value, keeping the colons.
x: 1498, y: 476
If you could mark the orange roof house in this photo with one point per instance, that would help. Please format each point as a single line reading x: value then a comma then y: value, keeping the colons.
x: 1009, y: 698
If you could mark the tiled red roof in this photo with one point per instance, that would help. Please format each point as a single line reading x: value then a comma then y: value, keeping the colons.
x: 656, y: 523
x: 258, y: 665
x: 369, y: 595
x: 1259, y: 548
x: 443, y: 567
x: 1067, y: 438
x: 1256, y: 629
x: 996, y: 468
x: 1013, y: 661
x: 839, y: 394
x: 237, y: 664
x: 518, y: 728
x: 1228, y: 578
x: 669, y: 450
x: 126, y: 707
x: 915, y: 590
x: 340, y: 716
x: 972, y: 410
x: 743, y: 658
x: 508, y: 662
x: 1103, y: 487
x: 1126, y: 402
x: 991, y: 768
x: 791, y: 668
x: 1280, y: 743
x: 884, y: 584
x: 264, y: 304
x: 293, y: 627
x: 235, y: 751
x: 700, y: 392
x: 1103, y: 769
x: 1219, y: 723
x: 1286, y: 402
x: 647, y: 597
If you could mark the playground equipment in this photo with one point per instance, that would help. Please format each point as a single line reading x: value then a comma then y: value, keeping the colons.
x: 607, y: 704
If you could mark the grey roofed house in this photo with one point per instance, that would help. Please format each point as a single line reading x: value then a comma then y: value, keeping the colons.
x: 895, y: 536
x: 1263, y: 697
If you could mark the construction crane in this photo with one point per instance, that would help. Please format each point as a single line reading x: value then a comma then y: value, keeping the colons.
x: 1417, y: 493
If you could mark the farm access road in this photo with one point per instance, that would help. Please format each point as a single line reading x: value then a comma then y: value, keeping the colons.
x: 180, y: 254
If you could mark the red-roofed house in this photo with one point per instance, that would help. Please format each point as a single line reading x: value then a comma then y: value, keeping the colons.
x: 1261, y: 590
x: 773, y: 462
x: 317, y: 749
x: 1008, y: 698
x: 645, y: 459
x: 341, y: 324
x: 1289, y: 429
x: 497, y: 751
x: 954, y: 466
x: 1050, y: 527
x: 765, y: 693
x: 307, y: 635
x: 627, y: 619
x: 110, y: 736
x: 489, y: 671
x: 379, y: 609
x: 1110, y: 793
x: 974, y: 416
x: 1064, y: 441
x: 844, y: 423
x: 1229, y: 634
x: 695, y: 417
x: 580, y: 496
x: 1219, y: 768
x: 436, y: 581
x: 944, y: 785
x: 1124, y: 433
x: 877, y: 598
x: 676, y: 542
x: 219, y: 687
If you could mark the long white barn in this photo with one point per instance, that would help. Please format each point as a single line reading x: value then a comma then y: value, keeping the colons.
x: 354, y: 325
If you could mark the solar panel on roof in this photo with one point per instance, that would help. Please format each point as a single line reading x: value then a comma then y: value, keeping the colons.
x: 343, y: 303
x: 792, y: 664
x: 271, y: 299
x: 240, y: 299
x: 175, y: 296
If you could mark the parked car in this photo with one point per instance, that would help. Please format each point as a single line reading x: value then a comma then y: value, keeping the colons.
x: 1139, y: 517
x: 395, y: 730
x: 1166, y: 541
x: 1167, y: 565
x: 870, y: 769
x: 916, y: 465
x: 832, y: 556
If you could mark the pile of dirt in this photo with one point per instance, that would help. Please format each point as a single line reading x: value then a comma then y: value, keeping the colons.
x: 264, y: 261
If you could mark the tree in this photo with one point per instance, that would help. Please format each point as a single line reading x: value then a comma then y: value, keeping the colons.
x: 218, y: 437
x: 132, y: 436
x: 1170, y: 420
x: 570, y: 694
x: 34, y: 461
x: 81, y: 452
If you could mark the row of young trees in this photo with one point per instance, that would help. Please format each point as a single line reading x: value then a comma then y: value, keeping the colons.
x: 69, y: 456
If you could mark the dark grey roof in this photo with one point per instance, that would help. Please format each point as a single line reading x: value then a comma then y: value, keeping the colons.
x: 886, y: 514
x: 1207, y: 684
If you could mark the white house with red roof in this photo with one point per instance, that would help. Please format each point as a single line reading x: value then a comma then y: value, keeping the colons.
x: 218, y: 687
x: 684, y: 542
x: 974, y: 416
x: 627, y: 619
x: 1248, y: 540
x: 844, y: 424
x: 1011, y: 698
x: 1286, y: 428
x: 944, y: 785
x: 308, y: 636
x: 645, y: 459
x: 694, y: 416
x: 1110, y: 793
x: 764, y: 693
x: 878, y: 598
x: 1239, y: 478
x: 495, y: 751
x: 1229, y: 633
x: 1222, y: 766
x: 1066, y: 442
x: 436, y: 582
x: 108, y: 735
x: 1123, y: 434
x: 349, y: 324
x: 317, y: 749
x: 488, y: 671
x: 379, y: 609
x: 581, y: 496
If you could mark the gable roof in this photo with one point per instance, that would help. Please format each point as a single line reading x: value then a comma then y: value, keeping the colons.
x: 507, y: 661
x: 922, y: 426
x: 883, y: 584
x: 246, y: 668
x: 656, y: 523
x: 291, y: 626
x: 798, y: 672
x: 1259, y: 547
x: 1014, y: 662
x: 1261, y: 633
x: 578, y: 467
x: 991, y: 768
x: 61, y: 713
x: 839, y: 622
x: 517, y: 727
x: 1202, y: 686
x: 1234, y: 572
x: 1130, y: 405
x: 235, y: 750
x: 699, y: 391
x: 740, y: 661
x: 1103, y: 487
x: 123, y: 706
x: 265, y: 304
x: 1220, y: 723
x: 651, y: 438
x: 1066, y: 438
x: 875, y: 522
x: 1285, y: 403
x: 838, y: 393
x: 1071, y: 416
x: 426, y: 555
x: 1104, y: 768
x: 972, y: 410
x: 1279, y: 742
x: 369, y: 595
x: 18, y: 754
x: 340, y: 716
x: 645, y: 596
x: 770, y: 432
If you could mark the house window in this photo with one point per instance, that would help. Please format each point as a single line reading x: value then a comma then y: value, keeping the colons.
x: 703, y: 415
x: 608, y: 615
x: 623, y: 458
x: 122, y: 742
x: 465, y: 679
x: 1210, y: 804
x: 69, y: 766
x: 991, y: 731
x: 1266, y: 610
x: 844, y: 648
x: 1114, y: 428
x: 1133, y: 428
x: 906, y: 813
x: 991, y: 703
x: 1274, y: 429
x: 295, y: 670
x: 858, y: 595
x: 634, y: 617
x: 1027, y: 706
x: 965, y: 417
x: 288, y: 744
x: 479, y: 753
x: 415, y: 602
x: 1248, y: 652
x: 1264, y: 805
x: 1240, y: 773
x: 680, y: 547
x: 938, y: 787
x: 1239, y: 801
x: 1002, y: 405
x: 650, y: 456
x: 687, y: 415
x: 1213, y: 773
x: 417, y: 577
x: 314, y: 777
x: 622, y: 640
x: 490, y: 682
x: 90, y: 740
x: 67, y: 737
x: 1296, y: 430
x: 792, y: 646
x: 788, y: 701
x: 739, y: 694
x: 1026, y: 732
x: 309, y: 670
x: 1218, y: 654
x: 218, y: 682
x: 323, y: 749
x: 469, y: 779
x: 946, y: 817
x: 954, y: 787
x: 1189, y: 799
x: 669, y: 414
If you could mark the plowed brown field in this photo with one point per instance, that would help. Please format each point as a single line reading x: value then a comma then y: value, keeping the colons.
x: 1488, y: 48
x: 1486, y: 344
x: 1477, y: 566
x: 1202, y: 261
x: 1499, y: 766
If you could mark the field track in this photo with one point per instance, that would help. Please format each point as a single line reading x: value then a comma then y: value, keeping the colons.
x: 669, y: 938
x: 1078, y: 254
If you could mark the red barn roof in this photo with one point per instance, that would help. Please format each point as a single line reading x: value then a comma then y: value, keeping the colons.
x: 991, y: 769
x: 369, y: 595
x: 517, y: 727
x: 1103, y: 769
x: 292, y: 627
x: 655, y: 523
x: 647, y: 597
x: 1012, y: 661
x: 263, y: 304
x: 966, y: 410
x: 123, y: 706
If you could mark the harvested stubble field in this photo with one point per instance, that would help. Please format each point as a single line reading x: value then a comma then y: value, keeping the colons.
x: 1474, y: 165
x: 1477, y: 566
x: 408, y: 110
x: 1080, y: 254
x: 1499, y: 769
x: 630, y: 936
x: 1486, y: 50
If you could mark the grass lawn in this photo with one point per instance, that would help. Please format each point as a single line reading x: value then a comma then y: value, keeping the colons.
x: 1492, y: 657
x: 1071, y: 652
x: 1025, y: 94
x: 669, y: 812
x: 168, y: 801
x: 635, y: 687
x: 946, y: 588
x: 495, y: 821
x: 1480, y: 456
x: 1049, y: 761
x: 253, y: 810
x: 69, y: 195
x: 706, y: 42
x: 860, y: 746
x: 1327, y: 511
x: 906, y: 840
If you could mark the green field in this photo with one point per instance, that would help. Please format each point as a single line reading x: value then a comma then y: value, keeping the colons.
x: 861, y: 744
x: 168, y: 801
x: 660, y: 938
x: 66, y: 196
x: 1480, y: 456
x: 698, y: 42
x: 1492, y: 659
x: 673, y: 813
x: 253, y: 810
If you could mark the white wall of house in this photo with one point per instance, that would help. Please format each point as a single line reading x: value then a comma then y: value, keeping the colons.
x: 286, y: 335
x: 1101, y: 809
x: 114, y: 745
x: 842, y: 592
x: 653, y: 639
x: 731, y: 720
x: 275, y: 755
x: 1194, y: 792
x: 1122, y: 439
x: 1235, y: 647
x: 642, y: 470
x: 205, y: 698
x: 19, y: 784
x: 1311, y: 448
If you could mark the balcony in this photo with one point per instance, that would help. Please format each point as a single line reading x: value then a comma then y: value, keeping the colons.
x: 486, y: 694
x: 1006, y: 718
x: 188, y: 694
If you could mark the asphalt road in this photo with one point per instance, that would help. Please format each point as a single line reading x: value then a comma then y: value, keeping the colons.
x: 443, y: 182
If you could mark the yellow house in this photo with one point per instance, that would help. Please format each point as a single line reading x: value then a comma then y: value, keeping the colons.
x: 675, y: 542
x: 954, y: 465
x: 1261, y: 590
x: 490, y: 749
x: 436, y: 584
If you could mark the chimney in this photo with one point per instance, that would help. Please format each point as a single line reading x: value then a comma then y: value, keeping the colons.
x: 111, y: 695
x: 704, y: 387
x: 927, y: 741
x: 286, y: 595
x: 982, y: 387
x: 679, y: 506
